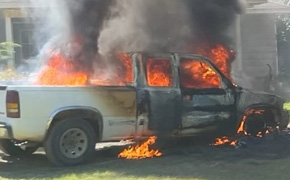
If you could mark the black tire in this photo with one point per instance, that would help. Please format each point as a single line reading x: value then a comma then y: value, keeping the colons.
x: 11, y: 148
x: 256, y: 124
x: 70, y: 142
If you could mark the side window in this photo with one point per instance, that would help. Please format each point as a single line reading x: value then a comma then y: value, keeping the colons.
x: 159, y: 72
x: 198, y: 75
x: 127, y: 67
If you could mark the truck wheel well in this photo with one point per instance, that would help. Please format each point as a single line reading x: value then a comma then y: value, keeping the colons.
x: 94, y: 118
x: 255, y: 116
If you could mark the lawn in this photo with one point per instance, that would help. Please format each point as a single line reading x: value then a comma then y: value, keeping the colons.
x: 287, y: 106
x: 260, y: 159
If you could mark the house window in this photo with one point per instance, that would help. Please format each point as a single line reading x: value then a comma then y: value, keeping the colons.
x: 23, y: 35
x: 28, y: 46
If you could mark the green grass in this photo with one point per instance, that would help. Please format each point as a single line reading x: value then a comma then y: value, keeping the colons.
x: 197, y: 163
x: 287, y: 106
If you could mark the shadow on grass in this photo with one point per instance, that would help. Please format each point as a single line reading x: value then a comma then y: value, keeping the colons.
x: 265, y: 158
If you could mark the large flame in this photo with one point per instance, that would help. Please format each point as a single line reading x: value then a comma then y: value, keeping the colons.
x: 61, y: 71
x: 159, y: 72
x: 141, y: 151
x: 126, y: 59
x: 220, y: 56
x: 196, y: 74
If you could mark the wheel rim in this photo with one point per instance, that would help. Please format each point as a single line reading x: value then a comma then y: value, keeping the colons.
x: 73, y: 143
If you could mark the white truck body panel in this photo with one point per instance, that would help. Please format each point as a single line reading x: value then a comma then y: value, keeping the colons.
x: 38, y: 104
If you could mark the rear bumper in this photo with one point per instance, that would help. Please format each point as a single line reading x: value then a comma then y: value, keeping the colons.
x: 5, y: 131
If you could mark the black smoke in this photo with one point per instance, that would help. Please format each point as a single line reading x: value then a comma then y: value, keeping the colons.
x: 212, y: 19
x: 87, y: 20
x: 102, y: 26
x: 170, y: 25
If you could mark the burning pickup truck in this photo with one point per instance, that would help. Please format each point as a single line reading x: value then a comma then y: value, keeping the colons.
x: 170, y: 93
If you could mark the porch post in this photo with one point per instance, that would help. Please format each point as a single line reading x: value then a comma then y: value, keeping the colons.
x: 9, y: 37
x: 239, y: 44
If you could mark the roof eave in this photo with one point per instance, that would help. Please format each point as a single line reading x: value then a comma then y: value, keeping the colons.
x: 267, y: 11
x: 8, y: 5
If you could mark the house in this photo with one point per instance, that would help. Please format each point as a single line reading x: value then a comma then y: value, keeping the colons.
x: 15, y: 26
x: 256, y: 44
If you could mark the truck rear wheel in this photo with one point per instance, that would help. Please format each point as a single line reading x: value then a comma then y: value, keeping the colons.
x: 15, y: 149
x: 70, y: 142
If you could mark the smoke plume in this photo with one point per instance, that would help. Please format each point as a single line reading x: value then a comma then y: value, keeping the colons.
x: 85, y: 28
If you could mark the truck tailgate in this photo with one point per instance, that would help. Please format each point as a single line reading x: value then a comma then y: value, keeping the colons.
x: 2, y: 102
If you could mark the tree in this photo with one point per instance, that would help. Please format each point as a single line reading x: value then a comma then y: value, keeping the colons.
x: 7, y: 50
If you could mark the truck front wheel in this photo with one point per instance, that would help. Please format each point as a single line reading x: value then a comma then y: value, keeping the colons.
x: 70, y: 142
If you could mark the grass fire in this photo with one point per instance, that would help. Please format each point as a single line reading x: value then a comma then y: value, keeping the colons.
x: 141, y: 151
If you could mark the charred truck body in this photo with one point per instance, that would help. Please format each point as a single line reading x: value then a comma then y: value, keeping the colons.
x: 179, y: 94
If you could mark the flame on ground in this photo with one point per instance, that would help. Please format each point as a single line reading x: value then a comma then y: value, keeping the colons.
x: 141, y: 151
x: 225, y: 140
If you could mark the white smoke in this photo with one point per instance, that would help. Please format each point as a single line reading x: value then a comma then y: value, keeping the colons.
x: 146, y: 26
x: 53, y: 21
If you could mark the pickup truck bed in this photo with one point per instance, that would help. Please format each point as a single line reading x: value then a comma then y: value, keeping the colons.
x: 39, y: 105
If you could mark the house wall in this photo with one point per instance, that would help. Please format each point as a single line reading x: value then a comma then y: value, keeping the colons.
x: 258, y: 48
x: 2, y: 27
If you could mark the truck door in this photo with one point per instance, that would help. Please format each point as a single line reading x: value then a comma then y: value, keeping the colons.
x: 163, y: 94
x: 206, y: 99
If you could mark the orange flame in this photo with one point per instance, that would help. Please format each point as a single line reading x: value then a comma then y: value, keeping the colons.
x: 196, y: 74
x: 127, y: 62
x: 159, y: 72
x: 61, y: 71
x: 241, y: 130
x: 220, y: 56
x: 224, y: 140
x: 141, y: 151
